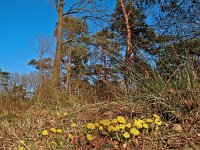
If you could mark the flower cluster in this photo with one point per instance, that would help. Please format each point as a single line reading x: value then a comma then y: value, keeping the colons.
x: 119, y: 128
x: 53, y: 130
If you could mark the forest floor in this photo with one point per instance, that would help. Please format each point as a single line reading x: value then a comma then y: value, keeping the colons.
x: 104, y: 125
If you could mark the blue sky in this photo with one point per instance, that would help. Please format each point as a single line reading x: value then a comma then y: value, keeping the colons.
x: 20, y: 22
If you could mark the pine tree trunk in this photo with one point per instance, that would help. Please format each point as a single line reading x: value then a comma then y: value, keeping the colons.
x: 128, y: 42
x: 57, y: 61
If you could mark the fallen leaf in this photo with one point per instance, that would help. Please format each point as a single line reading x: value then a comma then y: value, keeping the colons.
x: 107, y: 113
x: 177, y: 127
x: 124, y: 145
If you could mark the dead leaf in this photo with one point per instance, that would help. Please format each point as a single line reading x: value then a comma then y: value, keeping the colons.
x: 74, y: 139
x: 177, y: 127
x: 107, y: 113
x: 124, y: 146
x: 173, y: 91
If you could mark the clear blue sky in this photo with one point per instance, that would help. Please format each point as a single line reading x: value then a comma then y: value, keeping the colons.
x: 20, y: 22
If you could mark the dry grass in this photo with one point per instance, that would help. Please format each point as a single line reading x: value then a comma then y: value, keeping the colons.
x: 28, y: 124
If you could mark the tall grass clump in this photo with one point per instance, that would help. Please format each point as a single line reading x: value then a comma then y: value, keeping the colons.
x: 175, y: 96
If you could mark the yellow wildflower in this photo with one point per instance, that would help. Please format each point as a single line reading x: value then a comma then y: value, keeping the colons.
x: 59, y: 130
x: 105, y: 122
x: 73, y: 125
x: 100, y: 128
x: 65, y: 114
x: 156, y: 116
x: 128, y: 125
x: 114, y: 121
x: 53, y: 130
x: 117, y: 127
x: 22, y: 148
x: 91, y: 126
x: 149, y: 120
x: 111, y: 128
x: 158, y: 122
x: 96, y: 124
x: 156, y: 128
x: 58, y: 114
x: 142, y: 121
x: 122, y: 126
x: 89, y: 137
x: 121, y: 119
x: 126, y: 135
x: 134, y: 131
x: 145, y: 125
x: 138, y: 123
x: 45, y: 132
x: 70, y: 135
x: 22, y: 142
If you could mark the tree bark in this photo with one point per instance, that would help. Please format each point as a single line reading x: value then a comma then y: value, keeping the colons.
x: 57, y: 61
x: 128, y: 42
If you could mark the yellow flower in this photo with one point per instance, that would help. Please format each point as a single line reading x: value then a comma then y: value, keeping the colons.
x: 45, y: 132
x: 96, y: 124
x: 91, y: 126
x: 117, y: 127
x: 128, y: 125
x: 156, y: 116
x: 22, y: 142
x: 59, y: 130
x: 58, y: 114
x: 89, y: 137
x: 156, y: 128
x: 122, y: 126
x: 114, y: 121
x: 138, y: 123
x: 70, y: 135
x: 121, y: 119
x: 142, y: 121
x: 22, y: 148
x: 73, y: 125
x: 65, y: 114
x: 134, y: 131
x: 111, y: 128
x: 149, y: 120
x: 145, y: 125
x: 53, y: 130
x: 158, y: 122
x: 126, y: 135
x: 100, y: 128
x: 105, y: 122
